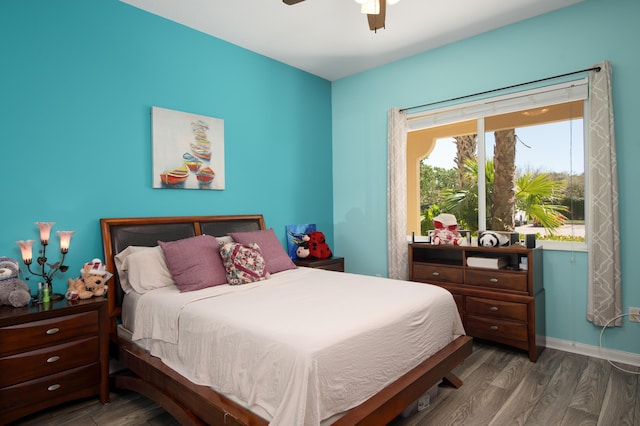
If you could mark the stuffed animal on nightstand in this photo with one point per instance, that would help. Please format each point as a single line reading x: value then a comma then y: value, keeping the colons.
x: 318, y: 247
x: 13, y: 291
x: 92, y: 282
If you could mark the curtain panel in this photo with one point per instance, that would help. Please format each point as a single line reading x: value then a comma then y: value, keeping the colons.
x: 604, y: 304
x: 397, y: 256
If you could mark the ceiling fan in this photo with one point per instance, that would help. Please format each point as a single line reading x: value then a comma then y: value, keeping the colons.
x: 374, y: 9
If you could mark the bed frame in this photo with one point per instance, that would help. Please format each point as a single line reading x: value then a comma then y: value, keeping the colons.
x: 193, y: 404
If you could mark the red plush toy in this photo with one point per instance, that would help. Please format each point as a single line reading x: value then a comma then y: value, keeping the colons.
x: 318, y: 247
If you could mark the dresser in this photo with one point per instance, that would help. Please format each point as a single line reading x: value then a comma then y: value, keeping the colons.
x: 502, y: 302
x: 52, y: 353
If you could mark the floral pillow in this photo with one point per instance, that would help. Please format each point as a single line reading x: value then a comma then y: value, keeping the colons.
x: 243, y: 263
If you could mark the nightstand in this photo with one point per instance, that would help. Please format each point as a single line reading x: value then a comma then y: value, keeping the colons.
x: 331, y: 264
x: 51, y: 354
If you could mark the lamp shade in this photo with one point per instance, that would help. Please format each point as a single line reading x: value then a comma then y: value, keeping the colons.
x: 65, y: 240
x: 26, y: 249
x: 45, y: 231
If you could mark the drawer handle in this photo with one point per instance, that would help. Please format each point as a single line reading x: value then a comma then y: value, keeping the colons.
x: 53, y: 330
x: 493, y: 327
x: 435, y: 274
x: 493, y: 308
x: 53, y: 387
x: 493, y: 280
x: 53, y: 359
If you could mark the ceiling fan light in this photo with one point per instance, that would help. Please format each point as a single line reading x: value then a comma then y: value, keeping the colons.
x: 392, y: 2
x: 361, y: 1
x: 371, y: 7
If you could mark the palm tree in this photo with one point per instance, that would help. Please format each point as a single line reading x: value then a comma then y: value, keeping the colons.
x: 504, y: 157
x: 463, y: 202
x: 466, y: 150
x: 536, y: 195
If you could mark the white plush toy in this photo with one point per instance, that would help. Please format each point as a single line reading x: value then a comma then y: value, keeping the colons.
x: 492, y: 239
x: 446, y: 231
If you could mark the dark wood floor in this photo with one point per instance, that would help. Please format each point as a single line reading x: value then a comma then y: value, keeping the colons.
x: 501, y: 387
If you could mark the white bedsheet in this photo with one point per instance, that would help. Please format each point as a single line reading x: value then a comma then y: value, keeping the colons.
x: 303, y: 345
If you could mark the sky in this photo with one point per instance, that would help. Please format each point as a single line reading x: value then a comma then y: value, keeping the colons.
x: 544, y: 148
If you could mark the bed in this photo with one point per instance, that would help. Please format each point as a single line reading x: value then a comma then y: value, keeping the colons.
x: 331, y: 371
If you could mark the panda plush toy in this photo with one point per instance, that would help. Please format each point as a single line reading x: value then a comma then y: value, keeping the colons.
x: 492, y: 239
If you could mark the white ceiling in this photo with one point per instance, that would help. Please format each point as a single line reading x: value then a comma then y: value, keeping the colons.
x: 331, y: 38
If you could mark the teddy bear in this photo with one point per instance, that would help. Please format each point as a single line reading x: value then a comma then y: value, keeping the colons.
x: 13, y: 291
x: 77, y: 290
x: 446, y: 231
x: 92, y: 282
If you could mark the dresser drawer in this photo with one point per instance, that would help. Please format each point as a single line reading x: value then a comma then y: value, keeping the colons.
x: 495, y: 329
x: 430, y: 272
x: 496, y: 308
x: 47, y: 391
x: 497, y: 279
x: 31, y: 335
x: 43, y: 362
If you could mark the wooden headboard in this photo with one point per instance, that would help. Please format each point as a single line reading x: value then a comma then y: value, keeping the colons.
x: 120, y: 233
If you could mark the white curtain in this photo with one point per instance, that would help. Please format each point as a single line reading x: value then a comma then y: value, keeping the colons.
x: 604, y: 301
x: 397, y: 195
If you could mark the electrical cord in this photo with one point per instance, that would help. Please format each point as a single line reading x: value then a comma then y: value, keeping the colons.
x: 604, y: 327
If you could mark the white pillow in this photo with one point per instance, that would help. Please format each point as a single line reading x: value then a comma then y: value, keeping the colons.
x: 142, y: 269
x: 225, y: 239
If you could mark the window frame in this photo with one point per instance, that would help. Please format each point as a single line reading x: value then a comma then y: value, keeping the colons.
x: 479, y: 109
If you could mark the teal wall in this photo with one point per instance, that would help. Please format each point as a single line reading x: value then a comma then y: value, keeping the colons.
x: 77, y: 82
x: 569, y: 39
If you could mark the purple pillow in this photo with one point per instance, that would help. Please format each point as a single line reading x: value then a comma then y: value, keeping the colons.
x: 194, y: 263
x: 272, y: 251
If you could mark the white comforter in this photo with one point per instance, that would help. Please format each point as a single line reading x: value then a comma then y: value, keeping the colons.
x: 303, y: 345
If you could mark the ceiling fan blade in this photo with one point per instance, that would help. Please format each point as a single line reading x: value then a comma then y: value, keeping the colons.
x: 291, y: 2
x: 376, y: 22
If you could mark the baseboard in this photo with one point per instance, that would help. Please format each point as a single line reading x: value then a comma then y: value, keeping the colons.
x: 628, y: 358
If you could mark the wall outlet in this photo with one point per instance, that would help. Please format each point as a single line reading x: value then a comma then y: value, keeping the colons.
x: 634, y: 314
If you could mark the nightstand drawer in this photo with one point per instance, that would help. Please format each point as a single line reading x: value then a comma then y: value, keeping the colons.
x: 49, y: 390
x: 494, y: 329
x: 428, y: 272
x: 497, y: 279
x: 43, y: 362
x: 496, y: 308
x: 31, y: 335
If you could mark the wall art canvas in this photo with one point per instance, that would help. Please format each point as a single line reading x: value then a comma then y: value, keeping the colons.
x: 188, y: 150
x: 294, y: 236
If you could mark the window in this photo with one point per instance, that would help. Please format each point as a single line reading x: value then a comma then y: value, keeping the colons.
x: 513, y: 163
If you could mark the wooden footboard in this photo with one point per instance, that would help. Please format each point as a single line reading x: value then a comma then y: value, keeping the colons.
x: 193, y: 404
x: 187, y: 402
